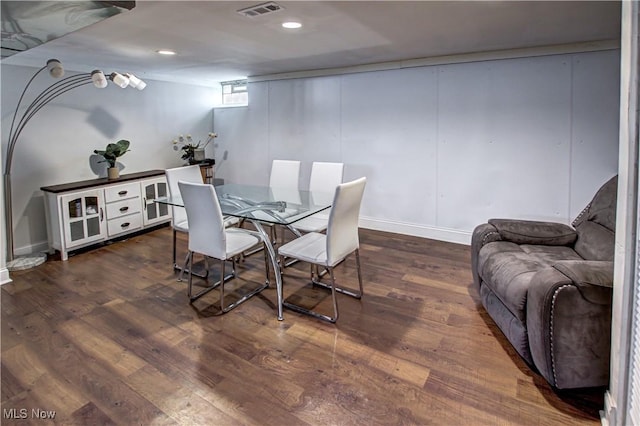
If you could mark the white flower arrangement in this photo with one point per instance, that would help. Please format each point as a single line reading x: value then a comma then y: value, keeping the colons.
x: 185, y: 143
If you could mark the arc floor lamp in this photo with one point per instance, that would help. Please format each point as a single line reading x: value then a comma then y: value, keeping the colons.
x: 56, y: 70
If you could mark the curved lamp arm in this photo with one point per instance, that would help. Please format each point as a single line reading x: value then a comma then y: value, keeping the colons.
x: 15, y: 114
x: 49, y: 94
x: 56, y: 89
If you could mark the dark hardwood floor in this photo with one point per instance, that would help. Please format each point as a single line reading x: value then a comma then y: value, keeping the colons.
x: 109, y: 337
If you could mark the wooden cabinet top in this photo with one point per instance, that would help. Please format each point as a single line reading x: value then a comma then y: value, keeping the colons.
x: 74, y: 186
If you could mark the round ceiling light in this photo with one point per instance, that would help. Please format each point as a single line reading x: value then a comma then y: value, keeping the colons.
x: 292, y: 25
x: 166, y: 52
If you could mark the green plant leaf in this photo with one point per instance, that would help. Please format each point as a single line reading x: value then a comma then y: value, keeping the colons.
x: 113, y: 151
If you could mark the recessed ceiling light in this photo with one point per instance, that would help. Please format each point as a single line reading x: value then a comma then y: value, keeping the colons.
x: 292, y: 25
x: 166, y: 52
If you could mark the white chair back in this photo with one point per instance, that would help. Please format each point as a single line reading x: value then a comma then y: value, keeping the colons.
x: 325, y: 177
x: 342, y: 231
x: 206, y: 227
x: 186, y: 174
x: 284, y: 174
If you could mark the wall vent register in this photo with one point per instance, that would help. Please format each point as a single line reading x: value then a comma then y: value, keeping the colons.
x: 260, y: 9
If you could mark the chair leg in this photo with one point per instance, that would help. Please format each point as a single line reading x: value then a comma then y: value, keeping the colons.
x: 315, y: 314
x: 333, y: 296
x: 206, y: 290
x: 190, y: 260
x: 348, y: 292
x: 184, y: 268
x: 222, y: 285
x: 244, y: 298
x: 359, y: 273
x: 175, y: 240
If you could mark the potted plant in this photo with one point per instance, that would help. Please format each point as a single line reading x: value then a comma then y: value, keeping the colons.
x: 189, y: 152
x: 111, y: 154
x: 192, y: 153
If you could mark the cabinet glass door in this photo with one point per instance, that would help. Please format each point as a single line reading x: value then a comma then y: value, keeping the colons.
x: 154, y: 212
x: 150, y: 195
x: 84, y: 218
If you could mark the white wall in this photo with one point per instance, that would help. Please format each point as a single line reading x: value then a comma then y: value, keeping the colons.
x: 57, y: 145
x: 444, y: 147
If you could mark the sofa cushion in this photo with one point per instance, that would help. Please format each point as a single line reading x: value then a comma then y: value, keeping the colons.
x: 507, y: 269
x: 595, y: 242
x: 602, y: 209
x: 534, y: 232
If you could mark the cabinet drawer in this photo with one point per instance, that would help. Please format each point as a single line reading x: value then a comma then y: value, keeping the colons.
x: 121, y: 192
x: 124, y: 224
x: 123, y: 208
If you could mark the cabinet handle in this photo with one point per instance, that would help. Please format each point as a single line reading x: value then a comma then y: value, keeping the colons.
x: 101, y: 214
x: 124, y: 209
x: 123, y: 193
x: 125, y: 225
x: 145, y: 203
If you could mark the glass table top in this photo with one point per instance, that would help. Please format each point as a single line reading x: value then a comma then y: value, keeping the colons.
x: 268, y: 204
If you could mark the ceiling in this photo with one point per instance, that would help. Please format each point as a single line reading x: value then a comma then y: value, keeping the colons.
x: 215, y: 43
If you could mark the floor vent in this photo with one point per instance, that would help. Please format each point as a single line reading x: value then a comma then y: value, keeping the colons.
x: 260, y: 9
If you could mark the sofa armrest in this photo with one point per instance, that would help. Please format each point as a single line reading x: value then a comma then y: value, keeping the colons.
x: 535, y: 232
x: 569, y: 323
x: 482, y: 234
x: 587, y: 273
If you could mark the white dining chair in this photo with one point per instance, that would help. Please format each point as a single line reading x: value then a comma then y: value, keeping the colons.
x: 284, y: 174
x: 328, y: 250
x: 325, y: 177
x: 209, y: 236
x: 283, y: 179
x: 179, y: 221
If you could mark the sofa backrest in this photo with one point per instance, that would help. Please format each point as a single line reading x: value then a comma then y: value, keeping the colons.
x: 596, y: 224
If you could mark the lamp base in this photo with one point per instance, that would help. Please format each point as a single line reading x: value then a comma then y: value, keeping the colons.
x: 26, y: 262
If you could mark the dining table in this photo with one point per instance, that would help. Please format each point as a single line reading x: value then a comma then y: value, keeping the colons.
x: 265, y: 205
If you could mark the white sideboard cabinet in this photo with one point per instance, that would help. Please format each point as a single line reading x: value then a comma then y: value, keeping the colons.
x: 83, y: 213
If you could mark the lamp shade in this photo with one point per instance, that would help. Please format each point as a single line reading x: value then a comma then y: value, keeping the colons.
x: 99, y: 79
x: 119, y: 79
x: 55, y: 68
x: 135, y: 82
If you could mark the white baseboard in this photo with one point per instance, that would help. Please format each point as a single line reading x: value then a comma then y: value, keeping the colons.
x: 440, y: 234
x: 608, y: 415
x: 40, y: 247
x: 4, y: 276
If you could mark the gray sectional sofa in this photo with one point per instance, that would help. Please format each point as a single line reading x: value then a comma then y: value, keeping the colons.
x: 548, y: 287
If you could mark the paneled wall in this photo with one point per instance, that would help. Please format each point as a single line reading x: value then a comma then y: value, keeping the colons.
x: 57, y: 145
x: 444, y: 147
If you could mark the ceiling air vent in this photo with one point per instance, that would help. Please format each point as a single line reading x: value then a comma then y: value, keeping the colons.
x: 260, y: 9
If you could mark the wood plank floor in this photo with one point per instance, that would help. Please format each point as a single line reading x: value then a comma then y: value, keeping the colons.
x: 108, y: 337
